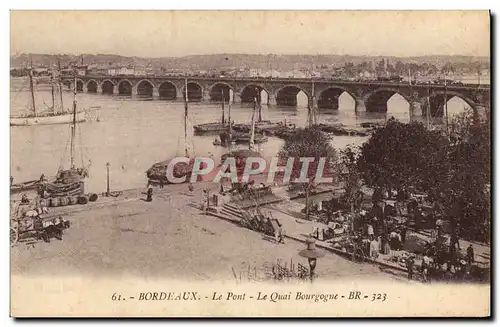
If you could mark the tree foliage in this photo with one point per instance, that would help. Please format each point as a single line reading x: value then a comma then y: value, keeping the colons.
x: 467, y: 188
x: 350, y: 176
x: 453, y: 170
x: 313, y: 143
x: 403, y: 156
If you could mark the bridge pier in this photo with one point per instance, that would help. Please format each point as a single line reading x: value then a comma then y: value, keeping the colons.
x: 205, y: 95
x: 484, y: 111
x: 156, y: 92
x: 236, y: 97
x: 271, y: 100
x: 99, y: 88
x: 360, y: 105
x: 415, y: 109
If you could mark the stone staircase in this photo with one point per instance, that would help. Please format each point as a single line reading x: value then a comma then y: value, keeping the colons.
x: 231, y: 210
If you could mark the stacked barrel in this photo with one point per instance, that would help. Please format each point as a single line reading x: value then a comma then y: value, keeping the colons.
x: 69, y: 200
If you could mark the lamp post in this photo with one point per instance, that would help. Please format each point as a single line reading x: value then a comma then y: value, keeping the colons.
x: 107, y: 178
x: 312, y: 254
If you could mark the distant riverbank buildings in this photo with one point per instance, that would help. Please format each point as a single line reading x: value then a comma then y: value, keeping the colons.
x: 366, y: 70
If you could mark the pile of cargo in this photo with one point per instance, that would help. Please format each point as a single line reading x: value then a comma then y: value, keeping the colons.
x: 68, y: 200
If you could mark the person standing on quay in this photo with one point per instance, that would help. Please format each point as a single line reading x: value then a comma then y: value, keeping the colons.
x: 403, y: 235
x: 149, y: 193
x: 409, y: 265
x: 470, y: 254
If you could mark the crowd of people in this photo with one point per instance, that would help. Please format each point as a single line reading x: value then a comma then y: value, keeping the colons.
x: 383, y: 229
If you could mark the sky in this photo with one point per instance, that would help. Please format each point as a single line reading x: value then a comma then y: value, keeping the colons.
x: 181, y: 33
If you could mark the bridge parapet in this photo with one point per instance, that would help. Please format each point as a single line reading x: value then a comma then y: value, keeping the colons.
x: 367, y: 94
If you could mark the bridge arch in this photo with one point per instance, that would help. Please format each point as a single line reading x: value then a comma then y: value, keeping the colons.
x: 437, y: 100
x: 167, y: 90
x: 125, y: 87
x: 70, y: 84
x: 250, y: 91
x: 67, y: 83
x: 378, y: 100
x: 108, y: 87
x: 194, y: 91
x: 145, y: 88
x: 219, y: 90
x: 288, y: 95
x: 329, y: 97
x: 79, y: 85
x: 92, y: 86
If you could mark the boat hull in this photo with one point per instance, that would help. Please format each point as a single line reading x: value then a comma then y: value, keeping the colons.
x: 47, y: 120
x: 265, y: 127
x: 23, y: 187
x: 210, y: 128
x: 242, y: 138
x: 65, y: 189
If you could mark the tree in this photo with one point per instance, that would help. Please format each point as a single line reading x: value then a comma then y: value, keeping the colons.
x: 312, y: 143
x: 468, y: 206
x: 403, y: 156
x: 350, y: 176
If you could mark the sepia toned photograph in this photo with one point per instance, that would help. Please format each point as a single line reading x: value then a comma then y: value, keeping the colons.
x: 250, y: 163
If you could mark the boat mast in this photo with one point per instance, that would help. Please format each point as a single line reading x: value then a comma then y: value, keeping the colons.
x: 427, y: 112
x: 259, y: 104
x: 311, y: 118
x: 59, y: 82
x: 229, y: 118
x: 251, y: 144
x: 411, y: 92
x: 186, y: 100
x: 52, y: 81
x: 446, y: 103
x: 73, y: 125
x: 32, y: 90
x: 222, y: 95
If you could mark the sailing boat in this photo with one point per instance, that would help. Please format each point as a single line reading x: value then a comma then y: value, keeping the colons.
x: 244, y: 137
x: 157, y: 173
x: 215, y: 127
x: 50, y: 117
x: 68, y: 182
x: 261, y: 125
x: 241, y: 155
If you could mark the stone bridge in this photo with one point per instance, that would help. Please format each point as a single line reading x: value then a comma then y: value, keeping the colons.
x: 369, y: 96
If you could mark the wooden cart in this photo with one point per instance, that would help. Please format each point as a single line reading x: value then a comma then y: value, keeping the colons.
x: 42, y: 227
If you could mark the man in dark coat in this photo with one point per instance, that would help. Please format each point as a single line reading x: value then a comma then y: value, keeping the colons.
x: 378, y: 212
x: 470, y: 254
x: 150, y: 193
x: 403, y: 235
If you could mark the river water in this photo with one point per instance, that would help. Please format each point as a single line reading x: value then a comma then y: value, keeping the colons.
x: 132, y: 133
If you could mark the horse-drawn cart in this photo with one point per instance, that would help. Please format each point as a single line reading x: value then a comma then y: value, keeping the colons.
x: 39, y: 227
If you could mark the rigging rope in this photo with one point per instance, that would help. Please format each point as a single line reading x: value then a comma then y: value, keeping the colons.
x: 19, y: 92
x: 61, y: 165
x: 82, y: 148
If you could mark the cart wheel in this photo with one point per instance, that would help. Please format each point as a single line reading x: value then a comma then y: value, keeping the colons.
x: 14, y: 236
x: 58, y: 234
x: 45, y: 236
x: 358, y: 255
